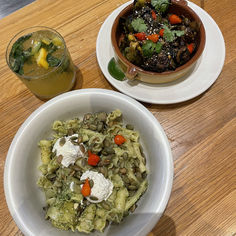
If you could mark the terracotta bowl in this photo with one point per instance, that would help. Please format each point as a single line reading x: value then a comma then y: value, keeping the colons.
x: 179, y: 7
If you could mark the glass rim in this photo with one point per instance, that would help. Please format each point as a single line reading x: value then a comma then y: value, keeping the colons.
x: 15, y: 37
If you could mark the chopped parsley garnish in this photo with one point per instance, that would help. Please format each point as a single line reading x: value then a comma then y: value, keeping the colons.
x: 139, y: 25
x: 149, y: 48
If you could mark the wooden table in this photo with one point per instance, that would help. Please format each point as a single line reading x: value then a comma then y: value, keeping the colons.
x: 202, y: 131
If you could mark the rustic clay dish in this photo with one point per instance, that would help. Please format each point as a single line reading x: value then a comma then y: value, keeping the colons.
x: 179, y: 7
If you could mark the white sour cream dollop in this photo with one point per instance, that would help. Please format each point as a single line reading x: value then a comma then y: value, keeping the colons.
x: 68, y: 150
x: 102, y: 187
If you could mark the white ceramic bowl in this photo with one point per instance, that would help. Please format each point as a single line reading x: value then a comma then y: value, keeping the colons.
x: 25, y: 200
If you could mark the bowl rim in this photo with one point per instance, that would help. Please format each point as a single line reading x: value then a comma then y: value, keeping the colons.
x: 195, y: 57
x: 23, y: 128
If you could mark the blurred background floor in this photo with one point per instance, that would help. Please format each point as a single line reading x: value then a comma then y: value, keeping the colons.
x: 9, y: 6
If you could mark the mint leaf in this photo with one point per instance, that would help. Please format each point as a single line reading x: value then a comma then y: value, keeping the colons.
x: 139, y: 25
x: 149, y: 48
x: 160, y: 5
x: 53, y: 61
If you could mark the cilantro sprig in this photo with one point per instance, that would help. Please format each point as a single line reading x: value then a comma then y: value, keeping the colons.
x: 160, y: 5
x: 149, y: 48
x: 139, y: 25
x: 170, y: 35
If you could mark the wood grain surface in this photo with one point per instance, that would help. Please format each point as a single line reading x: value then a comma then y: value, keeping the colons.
x: 202, y: 131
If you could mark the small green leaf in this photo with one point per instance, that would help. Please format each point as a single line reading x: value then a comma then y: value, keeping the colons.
x: 115, y: 70
x: 149, y: 48
x: 160, y: 5
x: 49, y: 47
x: 139, y: 25
x: 53, y: 61
x: 158, y: 47
x: 18, y: 56
x: 178, y: 33
x: 168, y: 35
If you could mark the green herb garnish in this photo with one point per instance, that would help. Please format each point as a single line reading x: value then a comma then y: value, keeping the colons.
x: 149, y: 48
x: 139, y: 25
x: 53, y: 61
x: 18, y: 56
x: 160, y: 5
x: 49, y: 47
x: 170, y: 35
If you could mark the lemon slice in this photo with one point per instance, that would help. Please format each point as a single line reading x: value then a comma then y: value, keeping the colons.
x: 115, y: 70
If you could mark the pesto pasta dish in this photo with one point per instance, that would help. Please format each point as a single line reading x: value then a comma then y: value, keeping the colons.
x: 93, y: 172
